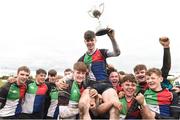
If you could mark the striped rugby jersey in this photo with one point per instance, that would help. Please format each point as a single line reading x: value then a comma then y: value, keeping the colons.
x: 53, y: 109
x: 160, y: 101
x: 130, y: 109
x: 11, y: 95
x: 141, y: 87
x: 34, y: 98
x: 97, y: 64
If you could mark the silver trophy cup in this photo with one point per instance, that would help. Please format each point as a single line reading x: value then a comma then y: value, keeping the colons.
x: 96, y: 13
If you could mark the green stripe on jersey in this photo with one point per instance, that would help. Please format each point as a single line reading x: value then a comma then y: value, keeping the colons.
x: 138, y: 88
x: 87, y: 59
x: 151, y: 97
x: 32, y: 88
x: 124, y: 106
x: 75, y: 92
x: 13, y: 93
x: 54, y: 94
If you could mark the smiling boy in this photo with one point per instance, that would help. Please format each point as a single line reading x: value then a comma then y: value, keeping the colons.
x: 158, y: 98
x: 12, y: 95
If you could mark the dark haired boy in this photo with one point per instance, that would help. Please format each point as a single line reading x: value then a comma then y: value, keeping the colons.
x: 95, y: 59
x: 12, y: 95
x: 131, y: 103
x: 51, y: 75
x: 35, y: 97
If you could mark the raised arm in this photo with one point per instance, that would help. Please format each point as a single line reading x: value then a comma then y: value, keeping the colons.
x: 164, y: 41
x: 116, y: 50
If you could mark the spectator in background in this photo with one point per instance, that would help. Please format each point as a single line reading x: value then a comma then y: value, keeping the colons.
x: 176, y: 88
x: 68, y: 74
x: 114, y: 78
x: 176, y: 85
x: 51, y: 75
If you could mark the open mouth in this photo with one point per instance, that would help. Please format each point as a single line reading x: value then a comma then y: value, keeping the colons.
x: 130, y: 92
x: 22, y: 80
x: 151, y: 84
x: 114, y: 82
x: 141, y: 77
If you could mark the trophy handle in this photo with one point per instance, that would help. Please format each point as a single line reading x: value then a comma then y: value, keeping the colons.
x: 102, y: 10
x: 90, y: 13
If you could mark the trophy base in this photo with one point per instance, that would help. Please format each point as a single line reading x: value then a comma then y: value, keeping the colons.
x: 102, y: 32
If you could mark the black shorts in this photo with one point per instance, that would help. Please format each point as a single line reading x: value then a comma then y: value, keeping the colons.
x: 31, y: 116
x: 10, y: 117
x: 101, y: 86
x: 104, y: 116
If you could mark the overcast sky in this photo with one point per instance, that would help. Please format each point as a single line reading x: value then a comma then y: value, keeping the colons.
x: 49, y: 33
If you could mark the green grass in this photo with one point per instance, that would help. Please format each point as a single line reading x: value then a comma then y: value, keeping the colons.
x: 2, y: 82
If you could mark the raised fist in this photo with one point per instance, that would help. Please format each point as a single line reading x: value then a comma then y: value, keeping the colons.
x: 164, y: 41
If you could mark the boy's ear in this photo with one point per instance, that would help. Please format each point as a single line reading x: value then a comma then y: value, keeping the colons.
x: 161, y: 79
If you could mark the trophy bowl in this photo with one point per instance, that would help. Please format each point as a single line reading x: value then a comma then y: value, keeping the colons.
x: 101, y: 31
